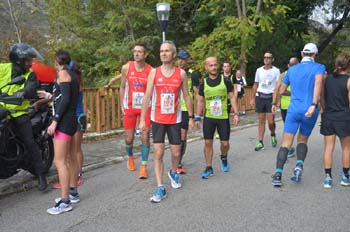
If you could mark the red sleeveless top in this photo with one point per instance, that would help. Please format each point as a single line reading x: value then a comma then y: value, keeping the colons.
x: 166, y: 100
x: 135, y: 86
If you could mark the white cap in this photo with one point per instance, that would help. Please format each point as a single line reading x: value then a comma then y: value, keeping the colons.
x: 310, y: 48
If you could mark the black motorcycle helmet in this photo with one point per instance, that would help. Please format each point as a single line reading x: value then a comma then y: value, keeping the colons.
x: 19, y: 52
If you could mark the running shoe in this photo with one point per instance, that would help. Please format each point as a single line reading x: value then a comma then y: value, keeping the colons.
x: 208, y: 172
x: 180, y: 169
x: 59, y: 208
x: 327, y: 184
x: 131, y: 163
x: 297, y: 174
x: 225, y: 168
x: 159, y: 195
x: 345, y: 180
x: 291, y: 152
x: 73, y: 199
x: 259, y: 146
x: 143, y: 172
x: 273, y: 141
x: 277, y: 179
x: 175, y: 179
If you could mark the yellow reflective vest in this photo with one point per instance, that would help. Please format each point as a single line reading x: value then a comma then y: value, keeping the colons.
x: 5, y: 77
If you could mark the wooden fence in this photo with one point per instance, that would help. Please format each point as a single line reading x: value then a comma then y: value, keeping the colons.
x: 102, y: 107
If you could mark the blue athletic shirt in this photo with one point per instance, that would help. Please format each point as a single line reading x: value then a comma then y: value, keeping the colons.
x: 80, y: 109
x: 301, y: 78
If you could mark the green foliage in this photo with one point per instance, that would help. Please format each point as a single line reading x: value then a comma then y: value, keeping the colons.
x: 100, y: 34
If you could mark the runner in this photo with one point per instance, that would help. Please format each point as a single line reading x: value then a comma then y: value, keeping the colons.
x: 335, y: 118
x: 305, y: 80
x: 266, y: 78
x: 193, y: 83
x: 132, y: 88
x: 166, y: 83
x: 213, y: 94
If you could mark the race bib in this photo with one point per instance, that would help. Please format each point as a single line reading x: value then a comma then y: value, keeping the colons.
x: 265, y: 84
x: 216, y: 107
x: 239, y: 88
x: 137, y: 100
x: 167, y: 103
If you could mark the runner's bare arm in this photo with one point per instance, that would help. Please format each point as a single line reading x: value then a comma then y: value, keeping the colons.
x: 234, y: 107
x: 124, y: 72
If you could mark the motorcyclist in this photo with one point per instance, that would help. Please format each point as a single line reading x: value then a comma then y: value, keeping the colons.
x: 21, y: 56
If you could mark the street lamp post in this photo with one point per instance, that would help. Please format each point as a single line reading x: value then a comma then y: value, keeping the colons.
x: 163, y: 9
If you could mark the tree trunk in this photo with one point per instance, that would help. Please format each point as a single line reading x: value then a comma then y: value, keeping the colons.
x: 14, y: 21
x: 340, y: 26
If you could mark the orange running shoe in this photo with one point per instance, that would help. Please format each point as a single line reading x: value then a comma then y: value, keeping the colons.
x: 181, y: 170
x: 131, y: 163
x: 143, y: 172
x: 56, y: 185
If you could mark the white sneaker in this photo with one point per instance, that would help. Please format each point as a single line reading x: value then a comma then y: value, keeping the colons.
x: 59, y: 208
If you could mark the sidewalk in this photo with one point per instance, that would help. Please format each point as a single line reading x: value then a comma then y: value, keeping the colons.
x: 98, y: 153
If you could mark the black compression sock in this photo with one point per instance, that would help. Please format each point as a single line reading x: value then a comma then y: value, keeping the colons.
x: 224, y: 159
x: 328, y: 171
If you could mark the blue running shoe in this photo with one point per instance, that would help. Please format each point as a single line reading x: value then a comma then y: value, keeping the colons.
x: 327, y: 184
x: 225, y: 168
x: 175, y: 179
x: 291, y: 152
x: 297, y: 174
x: 345, y: 180
x: 208, y: 172
x: 159, y: 195
x: 277, y: 179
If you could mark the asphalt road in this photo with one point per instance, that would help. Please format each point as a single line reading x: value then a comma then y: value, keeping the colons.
x: 114, y: 199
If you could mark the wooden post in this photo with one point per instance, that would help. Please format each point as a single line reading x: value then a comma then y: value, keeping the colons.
x: 108, y: 109
x: 98, y: 111
x: 113, y: 108
x: 91, y: 108
x: 101, y: 93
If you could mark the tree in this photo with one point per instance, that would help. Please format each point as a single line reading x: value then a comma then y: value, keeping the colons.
x: 27, y: 24
x: 235, y: 33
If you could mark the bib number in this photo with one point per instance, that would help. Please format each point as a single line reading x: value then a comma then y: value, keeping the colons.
x: 216, y: 108
x: 137, y: 100
x: 167, y: 103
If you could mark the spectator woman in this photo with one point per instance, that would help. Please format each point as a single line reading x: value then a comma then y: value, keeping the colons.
x: 63, y: 127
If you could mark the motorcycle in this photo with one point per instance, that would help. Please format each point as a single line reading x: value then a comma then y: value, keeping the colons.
x: 13, y: 153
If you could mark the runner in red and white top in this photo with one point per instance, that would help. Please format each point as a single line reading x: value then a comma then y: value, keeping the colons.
x: 132, y: 88
x: 164, y: 85
x: 166, y: 107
